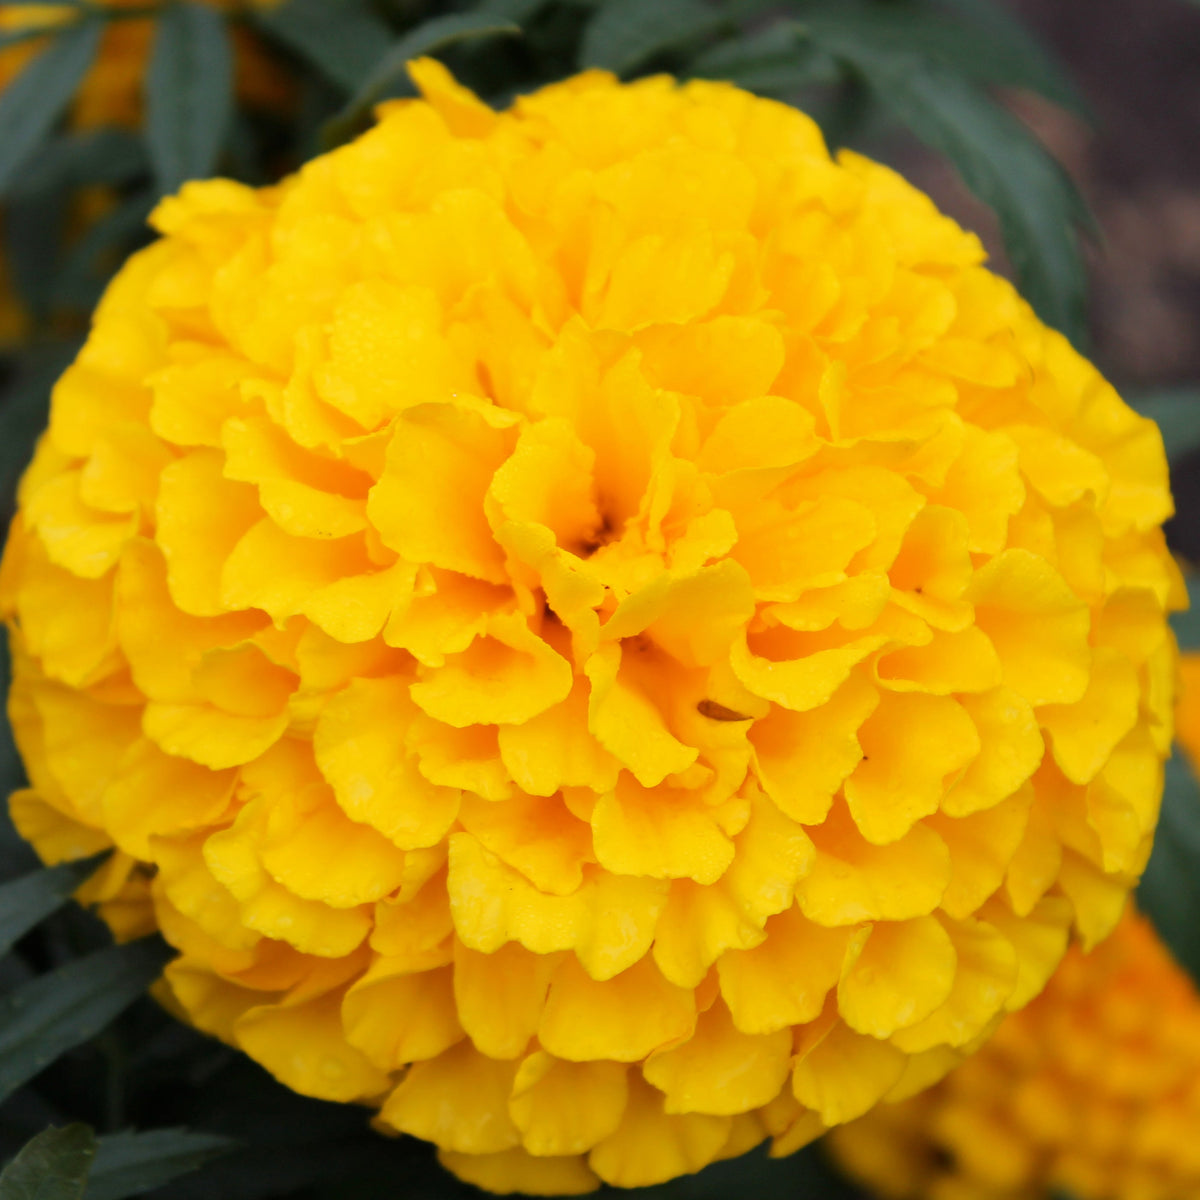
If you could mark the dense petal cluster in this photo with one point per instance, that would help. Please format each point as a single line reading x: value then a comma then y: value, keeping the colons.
x: 596, y: 629
x: 1091, y: 1090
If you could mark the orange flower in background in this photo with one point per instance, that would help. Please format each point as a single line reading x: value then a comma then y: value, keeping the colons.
x: 1091, y: 1089
x: 597, y: 630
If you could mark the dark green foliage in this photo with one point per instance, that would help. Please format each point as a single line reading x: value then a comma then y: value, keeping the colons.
x: 53, y: 1166
x: 26, y: 901
x: 189, y: 94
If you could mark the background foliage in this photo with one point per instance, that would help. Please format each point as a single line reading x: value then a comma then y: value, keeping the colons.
x: 101, y: 1094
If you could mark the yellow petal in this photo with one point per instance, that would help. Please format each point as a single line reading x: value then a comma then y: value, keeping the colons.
x: 784, y: 980
x: 515, y: 1170
x: 545, y: 1103
x: 500, y: 996
x: 396, y: 1017
x: 1037, y: 625
x: 303, y: 1046
x: 720, y: 1069
x: 913, y: 746
x: 696, y: 928
x: 623, y: 1018
x: 895, y: 974
x: 844, y: 1074
x: 369, y: 770
x: 458, y: 1100
x: 961, y: 661
x: 1040, y: 938
x: 651, y: 1146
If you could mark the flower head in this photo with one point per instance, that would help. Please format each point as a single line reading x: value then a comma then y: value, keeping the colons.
x: 1091, y: 1089
x: 617, y: 635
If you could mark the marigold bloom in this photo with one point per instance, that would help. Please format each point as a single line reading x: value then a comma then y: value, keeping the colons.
x: 1091, y: 1089
x: 618, y: 636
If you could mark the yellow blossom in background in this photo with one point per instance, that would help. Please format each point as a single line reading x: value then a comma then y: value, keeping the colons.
x: 596, y: 630
x: 1092, y: 1090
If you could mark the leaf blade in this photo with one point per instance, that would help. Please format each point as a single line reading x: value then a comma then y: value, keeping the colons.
x: 625, y: 33
x: 342, y: 40
x: 128, y: 1164
x: 189, y: 93
x: 32, y: 103
x: 26, y: 901
x: 53, y: 1165
x: 59, y: 1010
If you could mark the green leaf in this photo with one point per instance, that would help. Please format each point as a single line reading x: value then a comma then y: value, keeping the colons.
x: 998, y: 159
x: 777, y: 60
x: 26, y: 901
x: 1176, y: 411
x: 518, y: 11
x: 625, y: 33
x: 57, y: 1011
x: 978, y: 49
x: 342, y: 38
x: 1187, y: 624
x: 189, y: 93
x: 32, y: 103
x: 128, y: 1164
x: 434, y: 34
x: 52, y: 1166
x: 1169, y: 893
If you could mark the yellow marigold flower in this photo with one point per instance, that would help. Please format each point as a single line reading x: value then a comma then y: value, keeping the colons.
x: 111, y: 92
x: 1091, y: 1089
x: 617, y: 635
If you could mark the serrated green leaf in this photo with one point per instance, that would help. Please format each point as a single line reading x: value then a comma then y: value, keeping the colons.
x: 52, y: 1166
x: 32, y: 103
x: 999, y: 160
x: 775, y: 61
x: 426, y: 38
x: 1176, y: 412
x: 128, y: 1164
x: 65, y: 1007
x: 1169, y: 893
x: 342, y: 38
x: 26, y: 901
x: 189, y: 93
x: 625, y: 33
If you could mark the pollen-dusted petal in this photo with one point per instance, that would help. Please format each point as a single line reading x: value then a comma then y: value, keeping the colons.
x: 913, y: 746
x: 663, y: 833
x: 502, y: 679
x: 853, y: 880
x: 500, y: 996
x: 516, y: 1170
x: 845, y: 1073
x: 784, y: 980
x: 396, y: 1017
x: 367, y: 766
x: 651, y: 1145
x: 623, y: 1018
x: 895, y: 974
x: 720, y: 1069
x: 458, y: 1100
x: 303, y: 1046
x: 803, y: 758
x: 542, y: 1107
x: 1038, y: 626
